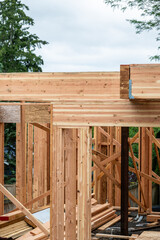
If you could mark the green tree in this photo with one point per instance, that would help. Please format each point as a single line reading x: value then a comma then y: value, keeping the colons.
x: 150, y: 15
x: 17, y: 44
x: 17, y: 54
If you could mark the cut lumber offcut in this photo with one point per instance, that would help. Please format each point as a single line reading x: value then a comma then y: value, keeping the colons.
x: 12, y: 215
x: 100, y: 221
x: 23, y: 209
x: 99, y: 208
x: 110, y: 223
x: 153, y: 218
x: 114, y: 236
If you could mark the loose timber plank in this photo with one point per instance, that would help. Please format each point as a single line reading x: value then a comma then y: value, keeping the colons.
x: 23, y: 209
x: 84, y: 183
x: 1, y: 166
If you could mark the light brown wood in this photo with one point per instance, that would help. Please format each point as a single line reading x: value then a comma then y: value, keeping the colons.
x: 1, y: 166
x: 57, y: 86
x: 70, y: 179
x: 114, y: 236
x: 21, y: 158
x: 106, y: 113
x: 57, y: 180
x: 145, y: 80
x: 23, y: 209
x: 110, y: 223
x: 124, y: 81
x: 30, y: 165
x: 84, y: 183
x: 41, y: 127
x: 37, y: 113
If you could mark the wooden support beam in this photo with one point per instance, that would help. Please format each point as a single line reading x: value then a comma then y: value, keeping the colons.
x: 1, y: 166
x: 57, y: 184
x: 124, y: 81
x: 21, y: 158
x: 84, y: 183
x: 70, y: 179
x: 23, y: 209
x: 124, y: 180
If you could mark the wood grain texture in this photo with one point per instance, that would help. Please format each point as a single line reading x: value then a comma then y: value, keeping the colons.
x: 70, y: 179
x: 57, y: 183
x: 58, y: 86
x: 145, y: 81
x: 109, y: 113
x: 84, y: 183
x: 124, y: 81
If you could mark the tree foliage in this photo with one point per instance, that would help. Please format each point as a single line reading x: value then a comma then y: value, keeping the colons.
x: 150, y: 15
x: 17, y: 54
x: 17, y: 44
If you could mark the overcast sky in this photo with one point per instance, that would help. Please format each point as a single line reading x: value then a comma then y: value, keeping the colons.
x: 87, y: 35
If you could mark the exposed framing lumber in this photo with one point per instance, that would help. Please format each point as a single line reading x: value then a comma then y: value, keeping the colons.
x: 23, y: 209
x: 84, y: 183
x: 70, y: 179
x: 21, y: 158
x: 1, y: 166
x: 57, y: 181
x: 137, y: 173
x: 41, y: 127
x: 107, y: 173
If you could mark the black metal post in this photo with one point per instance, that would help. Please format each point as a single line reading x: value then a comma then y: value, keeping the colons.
x: 124, y: 180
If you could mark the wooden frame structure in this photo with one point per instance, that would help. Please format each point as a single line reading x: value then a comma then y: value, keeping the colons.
x: 72, y: 103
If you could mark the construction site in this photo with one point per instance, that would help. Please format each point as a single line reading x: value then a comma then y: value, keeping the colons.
x: 75, y: 157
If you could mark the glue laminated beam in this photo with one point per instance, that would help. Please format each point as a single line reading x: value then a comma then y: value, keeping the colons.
x: 21, y: 158
x: 70, y: 179
x: 124, y: 81
x: 84, y: 183
x: 1, y: 166
x: 57, y: 184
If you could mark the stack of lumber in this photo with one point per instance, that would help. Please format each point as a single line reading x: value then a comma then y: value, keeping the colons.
x: 148, y: 235
x: 15, y: 230
x: 153, y: 218
x: 100, y: 214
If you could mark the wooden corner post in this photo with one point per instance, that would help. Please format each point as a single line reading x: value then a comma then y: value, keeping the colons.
x: 84, y: 183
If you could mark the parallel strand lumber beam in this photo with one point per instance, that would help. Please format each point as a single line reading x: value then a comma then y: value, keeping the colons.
x: 23, y: 209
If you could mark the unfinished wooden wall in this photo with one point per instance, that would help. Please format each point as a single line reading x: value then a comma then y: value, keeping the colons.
x: 32, y: 163
x: 64, y: 192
